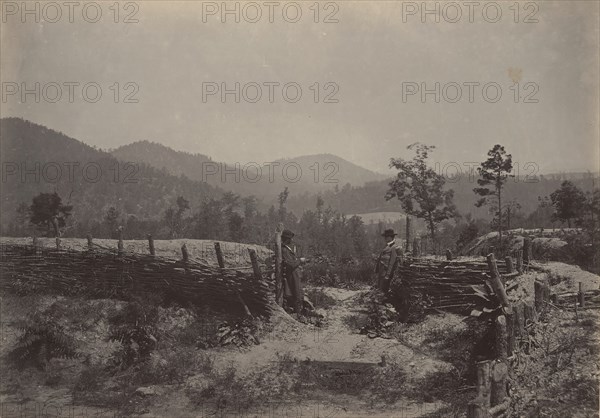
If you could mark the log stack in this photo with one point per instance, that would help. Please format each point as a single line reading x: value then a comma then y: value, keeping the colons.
x: 457, y: 286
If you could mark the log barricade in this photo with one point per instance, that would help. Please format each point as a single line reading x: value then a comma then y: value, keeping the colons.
x: 468, y: 286
x: 120, y: 274
x: 452, y: 285
x: 510, y: 332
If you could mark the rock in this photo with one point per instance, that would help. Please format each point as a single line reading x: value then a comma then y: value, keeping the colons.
x: 147, y: 391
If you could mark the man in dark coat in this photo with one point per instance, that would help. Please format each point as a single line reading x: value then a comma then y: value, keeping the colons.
x: 292, y: 272
x: 388, y: 260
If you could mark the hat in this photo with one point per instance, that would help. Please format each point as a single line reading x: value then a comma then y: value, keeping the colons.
x: 286, y: 233
x: 388, y: 233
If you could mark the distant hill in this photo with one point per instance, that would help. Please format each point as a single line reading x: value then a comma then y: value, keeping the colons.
x: 161, y: 157
x: 38, y: 159
x: 369, y: 198
x: 265, y: 179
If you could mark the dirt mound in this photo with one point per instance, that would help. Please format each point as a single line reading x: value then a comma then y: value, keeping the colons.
x: 234, y: 254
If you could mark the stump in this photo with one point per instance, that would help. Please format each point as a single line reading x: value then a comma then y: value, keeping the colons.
x: 501, y: 338
x: 498, y: 377
x: 483, y: 382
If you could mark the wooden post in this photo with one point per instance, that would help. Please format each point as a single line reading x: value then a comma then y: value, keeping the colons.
x: 478, y: 408
x: 36, y: 248
x: 501, y: 338
x: 526, y: 252
x: 255, y: 266
x: 58, y: 243
x: 542, y: 294
x: 407, y: 232
x: 120, y: 243
x: 529, y: 313
x: 520, y: 261
x: 278, y: 266
x: 496, y: 281
x: 510, y: 333
x: 449, y: 255
x: 519, y: 319
x: 416, y: 249
x: 90, y: 242
x: 151, y: 244
x: 184, y: 253
x: 499, y: 375
x: 483, y: 382
x: 581, y: 296
x: 219, y: 255
x: 509, y: 264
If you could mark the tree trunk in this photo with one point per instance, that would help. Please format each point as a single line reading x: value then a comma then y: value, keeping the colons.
x: 407, y: 232
x: 432, y: 230
x: 500, y: 218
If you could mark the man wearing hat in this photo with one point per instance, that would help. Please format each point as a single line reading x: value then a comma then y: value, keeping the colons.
x: 292, y: 272
x: 387, y: 261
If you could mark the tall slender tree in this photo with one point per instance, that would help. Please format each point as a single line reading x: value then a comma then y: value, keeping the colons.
x: 494, y: 172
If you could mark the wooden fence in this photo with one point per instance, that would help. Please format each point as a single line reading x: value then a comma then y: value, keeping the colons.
x: 117, y: 273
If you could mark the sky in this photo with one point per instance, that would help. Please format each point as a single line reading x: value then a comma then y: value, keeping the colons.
x: 528, y: 78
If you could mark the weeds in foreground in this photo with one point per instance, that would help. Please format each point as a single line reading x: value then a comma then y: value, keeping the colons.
x: 42, y: 340
x: 557, y: 375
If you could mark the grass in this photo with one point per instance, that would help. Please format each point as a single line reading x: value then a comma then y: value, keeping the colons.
x: 557, y: 376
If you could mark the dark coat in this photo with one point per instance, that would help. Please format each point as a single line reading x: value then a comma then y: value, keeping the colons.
x: 290, y: 263
x: 292, y: 274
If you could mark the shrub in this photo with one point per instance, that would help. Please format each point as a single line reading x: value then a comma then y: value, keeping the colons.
x: 135, y: 328
x: 43, y: 339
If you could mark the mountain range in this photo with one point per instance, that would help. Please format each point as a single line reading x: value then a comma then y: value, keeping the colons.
x: 143, y: 179
x: 264, y: 179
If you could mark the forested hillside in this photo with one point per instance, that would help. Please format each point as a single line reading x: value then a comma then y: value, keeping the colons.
x: 36, y: 159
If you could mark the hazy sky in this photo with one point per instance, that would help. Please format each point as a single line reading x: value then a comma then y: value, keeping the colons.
x: 373, y: 53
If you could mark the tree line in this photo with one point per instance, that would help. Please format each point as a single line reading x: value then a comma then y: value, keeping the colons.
x: 421, y: 191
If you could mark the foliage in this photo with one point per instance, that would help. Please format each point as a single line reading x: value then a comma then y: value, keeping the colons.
x: 135, y: 328
x: 240, y: 333
x: 568, y: 202
x: 174, y: 217
x: 551, y: 369
x: 421, y: 190
x: 43, y: 339
x: 47, y: 210
x: 112, y: 221
x: 494, y: 172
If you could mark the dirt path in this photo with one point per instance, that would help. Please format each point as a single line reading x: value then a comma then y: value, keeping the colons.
x: 337, y: 341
